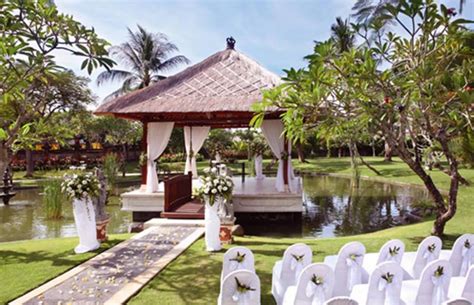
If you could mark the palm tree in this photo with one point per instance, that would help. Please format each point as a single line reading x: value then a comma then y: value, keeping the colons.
x: 147, y: 55
x: 342, y: 35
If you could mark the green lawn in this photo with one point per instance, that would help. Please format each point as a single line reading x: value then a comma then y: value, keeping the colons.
x: 193, y: 278
x: 27, y: 264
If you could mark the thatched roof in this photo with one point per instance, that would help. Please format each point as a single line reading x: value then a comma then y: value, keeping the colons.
x: 223, y: 85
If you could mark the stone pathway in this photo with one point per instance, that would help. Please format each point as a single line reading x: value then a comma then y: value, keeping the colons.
x: 115, y: 275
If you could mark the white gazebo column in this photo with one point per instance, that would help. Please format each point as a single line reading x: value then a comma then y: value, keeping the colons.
x: 273, y: 132
x: 157, y: 140
x: 194, y: 138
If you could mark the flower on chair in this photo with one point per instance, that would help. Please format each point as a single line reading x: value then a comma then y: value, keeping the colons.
x: 432, y: 248
x: 388, y: 277
x: 467, y: 244
x: 239, y: 258
x: 298, y: 258
x: 354, y: 256
x: 439, y: 272
x: 242, y: 288
x: 317, y: 280
x: 394, y: 251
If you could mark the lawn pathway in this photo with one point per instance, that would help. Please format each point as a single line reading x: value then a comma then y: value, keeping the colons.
x: 115, y: 275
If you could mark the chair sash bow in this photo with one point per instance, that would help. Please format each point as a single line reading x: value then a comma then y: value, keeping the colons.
x: 243, y: 297
x: 467, y: 255
x: 354, y: 274
x: 390, y: 289
x: 429, y: 256
x: 296, y: 266
x: 317, y: 293
x: 439, y: 295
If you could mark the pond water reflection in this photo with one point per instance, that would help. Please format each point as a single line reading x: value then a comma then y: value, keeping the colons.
x: 25, y: 218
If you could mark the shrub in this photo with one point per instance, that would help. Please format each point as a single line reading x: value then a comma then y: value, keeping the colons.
x: 53, y: 198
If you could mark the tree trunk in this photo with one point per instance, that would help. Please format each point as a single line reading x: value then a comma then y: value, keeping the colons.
x: 373, y: 149
x: 125, y: 157
x: 339, y: 152
x: 4, y: 158
x: 388, y: 152
x: 299, y: 149
x: 30, y: 164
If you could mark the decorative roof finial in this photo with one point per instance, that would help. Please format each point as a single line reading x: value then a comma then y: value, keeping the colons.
x: 230, y: 42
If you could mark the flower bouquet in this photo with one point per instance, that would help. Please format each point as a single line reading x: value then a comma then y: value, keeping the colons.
x: 81, y: 187
x: 214, y: 189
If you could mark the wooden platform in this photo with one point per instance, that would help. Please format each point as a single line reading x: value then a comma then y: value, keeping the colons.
x: 188, y: 210
x: 251, y: 196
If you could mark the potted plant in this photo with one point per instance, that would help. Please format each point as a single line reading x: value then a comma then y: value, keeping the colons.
x: 81, y: 187
x: 215, y: 188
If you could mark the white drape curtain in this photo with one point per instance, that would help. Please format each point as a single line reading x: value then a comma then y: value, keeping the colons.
x: 157, y: 138
x: 194, y: 136
x: 273, y: 132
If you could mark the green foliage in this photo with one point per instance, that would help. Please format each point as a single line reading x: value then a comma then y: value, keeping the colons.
x: 53, y: 199
x: 111, y: 167
x: 218, y: 141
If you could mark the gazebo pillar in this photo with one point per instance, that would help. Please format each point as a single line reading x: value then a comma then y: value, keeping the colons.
x: 144, y: 145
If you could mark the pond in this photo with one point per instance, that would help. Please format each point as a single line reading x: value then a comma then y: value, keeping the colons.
x: 25, y: 218
x: 331, y: 207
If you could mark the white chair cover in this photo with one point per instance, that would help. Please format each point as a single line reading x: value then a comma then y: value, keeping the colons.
x: 237, y: 258
x: 341, y: 301
x: 157, y: 138
x: 429, y: 289
x: 461, y: 256
x: 196, y: 135
x: 391, y: 251
x: 259, y: 167
x: 462, y: 286
x: 273, y: 132
x: 309, y: 291
x: 84, y: 217
x: 230, y: 294
x: 348, y: 268
x: 415, y: 262
x: 381, y: 290
x: 286, y: 271
x: 460, y: 301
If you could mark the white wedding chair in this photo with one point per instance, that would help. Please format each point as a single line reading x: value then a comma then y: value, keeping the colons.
x: 341, y: 301
x: 241, y: 287
x: 460, y: 301
x: 430, y: 289
x: 414, y: 262
x: 347, y: 268
x: 391, y: 251
x: 463, y: 286
x: 237, y: 258
x: 384, y: 287
x: 286, y: 271
x: 461, y: 256
x: 314, y: 286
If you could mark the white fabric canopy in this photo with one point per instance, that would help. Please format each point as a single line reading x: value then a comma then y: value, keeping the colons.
x: 195, y: 137
x: 157, y: 138
x: 273, y: 132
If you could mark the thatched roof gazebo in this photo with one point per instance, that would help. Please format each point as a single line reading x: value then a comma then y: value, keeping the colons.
x: 215, y: 93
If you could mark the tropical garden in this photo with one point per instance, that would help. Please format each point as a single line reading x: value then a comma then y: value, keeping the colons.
x: 386, y: 104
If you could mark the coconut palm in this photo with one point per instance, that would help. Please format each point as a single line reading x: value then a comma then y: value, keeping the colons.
x: 342, y: 35
x: 147, y: 55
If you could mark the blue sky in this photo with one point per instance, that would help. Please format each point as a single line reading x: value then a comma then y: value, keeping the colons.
x: 276, y: 33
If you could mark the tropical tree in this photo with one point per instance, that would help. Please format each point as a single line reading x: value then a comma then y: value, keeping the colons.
x: 147, y: 55
x: 421, y: 98
x: 30, y: 32
x: 342, y: 34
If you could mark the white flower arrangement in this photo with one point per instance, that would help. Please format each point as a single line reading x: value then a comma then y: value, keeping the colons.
x: 80, y: 185
x: 214, y: 185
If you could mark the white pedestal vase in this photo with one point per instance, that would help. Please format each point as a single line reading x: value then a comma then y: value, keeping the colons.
x: 212, y: 225
x: 84, y: 217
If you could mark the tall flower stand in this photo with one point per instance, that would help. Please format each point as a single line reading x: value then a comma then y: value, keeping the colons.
x: 84, y: 217
x: 212, y: 225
